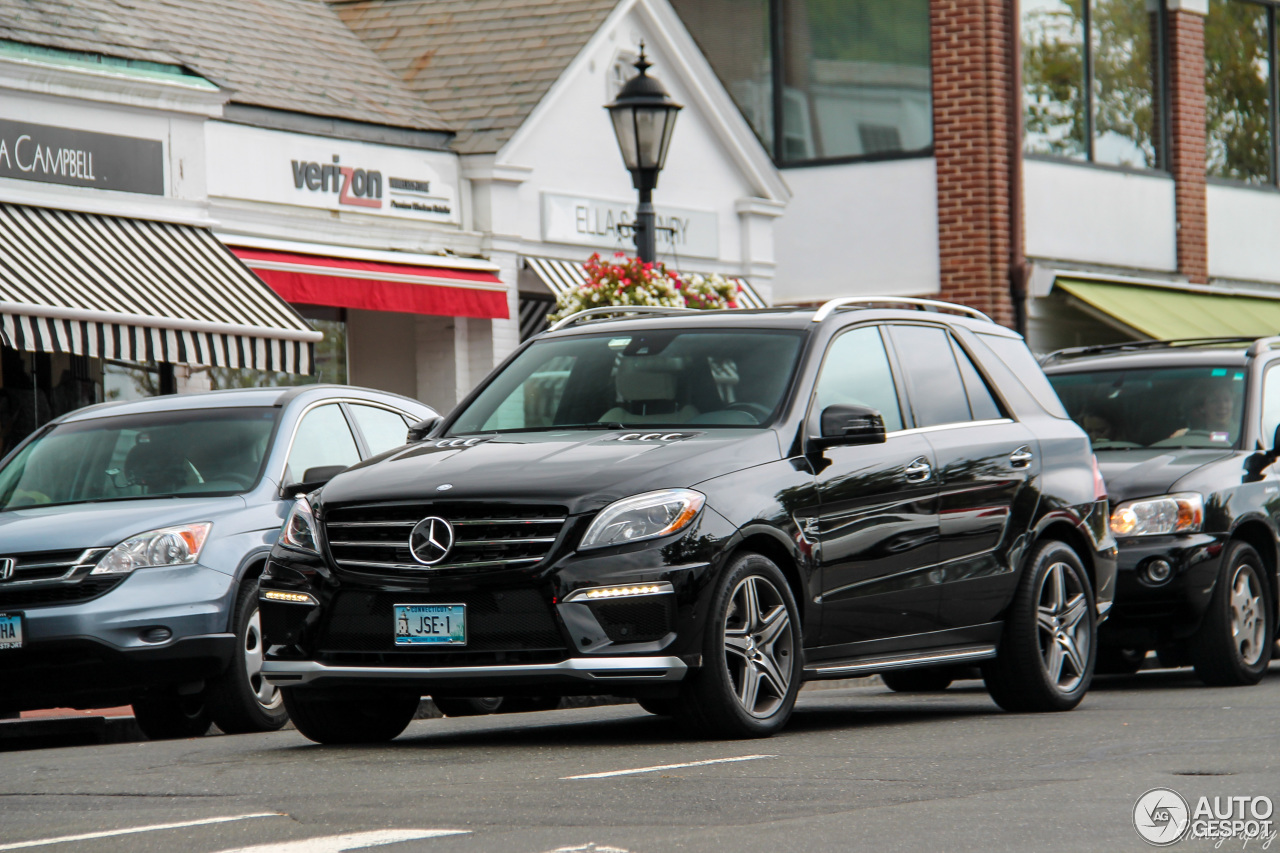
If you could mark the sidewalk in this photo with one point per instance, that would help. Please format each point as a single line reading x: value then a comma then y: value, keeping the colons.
x: 68, y: 727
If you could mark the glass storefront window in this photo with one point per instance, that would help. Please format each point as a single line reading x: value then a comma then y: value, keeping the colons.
x: 851, y: 80
x: 1091, y: 78
x: 1239, y: 49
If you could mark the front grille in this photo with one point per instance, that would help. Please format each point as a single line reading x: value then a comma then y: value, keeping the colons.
x: 640, y: 621
x: 54, y: 577
x: 375, y: 539
x: 58, y: 593
x: 506, y: 621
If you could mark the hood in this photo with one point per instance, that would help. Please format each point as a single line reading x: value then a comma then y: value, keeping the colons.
x: 99, y: 525
x: 1151, y: 471
x: 580, y: 470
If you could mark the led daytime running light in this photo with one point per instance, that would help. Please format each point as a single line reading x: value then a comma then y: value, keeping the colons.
x: 292, y: 597
x: 631, y: 590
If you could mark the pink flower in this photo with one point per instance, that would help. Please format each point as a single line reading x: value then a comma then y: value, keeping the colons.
x: 733, y: 304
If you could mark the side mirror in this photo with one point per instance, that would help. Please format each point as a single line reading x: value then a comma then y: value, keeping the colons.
x: 312, y: 479
x: 848, y: 425
x: 423, y: 428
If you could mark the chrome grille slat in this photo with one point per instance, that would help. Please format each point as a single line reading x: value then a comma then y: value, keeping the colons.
x: 374, y: 539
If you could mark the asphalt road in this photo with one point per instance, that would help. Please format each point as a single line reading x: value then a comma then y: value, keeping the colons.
x: 859, y: 768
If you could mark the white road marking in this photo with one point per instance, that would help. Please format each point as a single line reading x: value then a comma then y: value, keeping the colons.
x: 591, y: 847
x: 350, y: 841
x: 110, y: 833
x: 666, y: 767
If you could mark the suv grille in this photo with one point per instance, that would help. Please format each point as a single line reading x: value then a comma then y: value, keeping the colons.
x: 375, y: 539
x: 54, y: 577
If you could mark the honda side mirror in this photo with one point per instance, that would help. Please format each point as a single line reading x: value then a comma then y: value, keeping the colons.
x: 848, y: 425
x: 312, y: 479
x: 423, y: 428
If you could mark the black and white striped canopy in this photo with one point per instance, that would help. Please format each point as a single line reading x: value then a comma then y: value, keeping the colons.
x: 137, y: 290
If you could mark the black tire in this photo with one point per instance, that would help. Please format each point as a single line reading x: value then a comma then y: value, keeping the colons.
x: 240, y: 700
x: 1114, y: 660
x: 660, y: 706
x: 1041, y: 665
x: 1233, y: 645
x: 468, y: 706
x: 929, y: 680
x: 751, y: 655
x: 365, y: 717
x: 168, y: 716
x: 529, y: 704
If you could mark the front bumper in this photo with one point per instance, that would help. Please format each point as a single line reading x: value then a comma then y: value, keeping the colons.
x: 604, y: 670
x: 1146, y: 616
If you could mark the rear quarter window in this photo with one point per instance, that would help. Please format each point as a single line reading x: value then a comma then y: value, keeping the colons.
x: 1013, y: 353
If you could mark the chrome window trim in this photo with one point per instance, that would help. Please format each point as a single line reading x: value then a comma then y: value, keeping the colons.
x: 941, y: 427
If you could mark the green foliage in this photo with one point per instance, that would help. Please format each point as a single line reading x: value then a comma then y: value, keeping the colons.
x: 1237, y: 79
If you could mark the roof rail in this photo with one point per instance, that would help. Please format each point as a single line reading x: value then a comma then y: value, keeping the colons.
x: 829, y: 308
x: 614, y: 309
x: 1262, y: 345
x: 1075, y: 352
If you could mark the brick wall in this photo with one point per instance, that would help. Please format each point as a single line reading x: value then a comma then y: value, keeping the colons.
x: 1187, y: 120
x: 971, y: 85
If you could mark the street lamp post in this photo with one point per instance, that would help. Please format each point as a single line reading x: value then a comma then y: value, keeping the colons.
x: 643, y: 118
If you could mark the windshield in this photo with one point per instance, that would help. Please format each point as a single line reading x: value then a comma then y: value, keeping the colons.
x: 1156, y: 407
x: 659, y: 378
x: 160, y: 454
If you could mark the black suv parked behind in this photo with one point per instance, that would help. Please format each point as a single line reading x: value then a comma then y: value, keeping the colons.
x: 1186, y: 436
x: 704, y: 510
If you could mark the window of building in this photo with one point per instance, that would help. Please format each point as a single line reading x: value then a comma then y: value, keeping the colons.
x: 1240, y: 87
x: 1093, y: 81
x: 851, y: 80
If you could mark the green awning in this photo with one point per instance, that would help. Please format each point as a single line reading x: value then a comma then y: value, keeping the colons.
x: 1166, y: 314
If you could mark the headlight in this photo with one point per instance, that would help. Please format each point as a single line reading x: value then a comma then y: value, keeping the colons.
x: 169, y: 546
x: 299, y: 529
x: 646, y: 516
x: 1182, y: 513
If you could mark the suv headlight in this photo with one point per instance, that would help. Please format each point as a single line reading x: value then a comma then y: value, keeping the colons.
x: 299, y: 529
x: 168, y: 546
x: 1181, y: 513
x: 646, y: 516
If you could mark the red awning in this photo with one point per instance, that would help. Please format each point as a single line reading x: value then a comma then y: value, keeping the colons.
x: 377, y: 286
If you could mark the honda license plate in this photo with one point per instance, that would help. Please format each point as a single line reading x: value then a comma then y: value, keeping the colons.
x: 10, y: 630
x: 430, y: 624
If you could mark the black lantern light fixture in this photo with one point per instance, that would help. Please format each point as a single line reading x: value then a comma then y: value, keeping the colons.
x: 644, y: 116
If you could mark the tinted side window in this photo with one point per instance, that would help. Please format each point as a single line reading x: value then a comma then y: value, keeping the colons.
x: 1270, y: 403
x: 933, y: 379
x: 856, y: 372
x: 1014, y: 353
x: 981, y: 402
x: 323, y: 439
x: 383, y: 429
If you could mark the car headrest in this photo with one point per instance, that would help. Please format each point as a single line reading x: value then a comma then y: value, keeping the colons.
x: 640, y: 381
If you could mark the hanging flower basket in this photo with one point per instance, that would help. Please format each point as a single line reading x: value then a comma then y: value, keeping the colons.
x: 631, y: 281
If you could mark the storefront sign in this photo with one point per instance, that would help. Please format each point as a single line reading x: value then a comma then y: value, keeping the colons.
x: 311, y: 171
x: 605, y: 224
x: 79, y: 158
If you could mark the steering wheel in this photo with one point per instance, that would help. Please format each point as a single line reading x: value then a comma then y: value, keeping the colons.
x: 756, y: 410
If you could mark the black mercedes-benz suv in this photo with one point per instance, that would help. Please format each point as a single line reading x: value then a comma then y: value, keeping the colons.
x: 702, y: 510
x: 1186, y: 437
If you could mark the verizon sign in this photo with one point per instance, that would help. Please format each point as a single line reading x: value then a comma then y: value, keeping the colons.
x: 607, y: 225
x: 311, y: 171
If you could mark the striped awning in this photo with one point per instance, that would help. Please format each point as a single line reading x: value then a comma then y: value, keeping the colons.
x: 137, y: 290
x: 560, y: 276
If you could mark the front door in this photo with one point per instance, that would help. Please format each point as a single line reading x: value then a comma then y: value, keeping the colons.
x: 877, y: 519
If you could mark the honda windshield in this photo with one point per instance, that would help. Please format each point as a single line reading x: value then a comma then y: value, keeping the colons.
x: 657, y: 378
x: 193, y: 453
x: 1156, y: 407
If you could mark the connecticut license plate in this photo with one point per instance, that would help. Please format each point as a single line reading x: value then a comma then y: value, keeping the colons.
x: 430, y: 624
x: 10, y: 631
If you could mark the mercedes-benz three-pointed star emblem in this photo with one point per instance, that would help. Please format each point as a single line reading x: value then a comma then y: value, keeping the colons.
x: 431, y: 540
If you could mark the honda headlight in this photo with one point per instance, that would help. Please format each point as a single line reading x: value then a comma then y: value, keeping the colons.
x: 1182, y: 513
x: 168, y: 546
x: 299, y: 529
x: 640, y: 517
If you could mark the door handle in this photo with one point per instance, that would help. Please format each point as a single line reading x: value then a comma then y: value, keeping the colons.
x: 1021, y: 458
x: 919, y: 471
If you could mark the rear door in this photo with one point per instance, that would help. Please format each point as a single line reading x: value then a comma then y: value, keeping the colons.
x: 987, y: 463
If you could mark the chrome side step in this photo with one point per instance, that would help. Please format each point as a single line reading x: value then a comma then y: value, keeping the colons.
x: 861, y: 666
